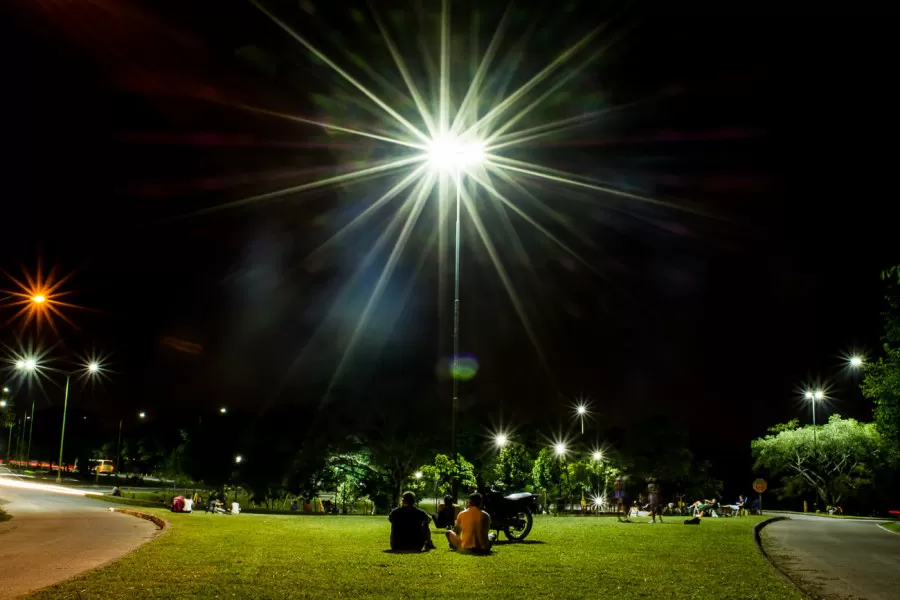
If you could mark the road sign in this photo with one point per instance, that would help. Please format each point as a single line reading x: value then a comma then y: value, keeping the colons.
x: 760, y: 485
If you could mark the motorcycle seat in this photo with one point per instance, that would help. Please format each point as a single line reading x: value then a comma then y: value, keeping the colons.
x: 519, y: 496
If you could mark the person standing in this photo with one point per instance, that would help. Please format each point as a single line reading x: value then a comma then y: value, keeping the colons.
x: 621, y: 499
x: 654, y: 500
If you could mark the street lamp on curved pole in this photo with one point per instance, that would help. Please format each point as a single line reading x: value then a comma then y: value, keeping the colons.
x: 89, y: 369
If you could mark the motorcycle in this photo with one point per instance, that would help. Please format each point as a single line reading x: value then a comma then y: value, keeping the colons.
x: 513, y: 514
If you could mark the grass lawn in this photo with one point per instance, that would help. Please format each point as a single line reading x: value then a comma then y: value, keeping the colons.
x: 266, y: 556
x: 895, y: 527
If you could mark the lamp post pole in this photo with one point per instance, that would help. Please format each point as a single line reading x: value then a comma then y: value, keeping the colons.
x: 813, y: 396
x: 62, y: 436
x: 454, y: 370
x: 30, y: 428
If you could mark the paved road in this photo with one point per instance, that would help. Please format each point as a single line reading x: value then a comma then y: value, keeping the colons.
x: 837, y: 558
x: 53, y: 537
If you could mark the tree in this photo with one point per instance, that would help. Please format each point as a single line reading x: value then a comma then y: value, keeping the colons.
x: 835, y: 468
x: 512, y: 469
x: 882, y: 377
x: 547, y: 473
x: 444, y: 471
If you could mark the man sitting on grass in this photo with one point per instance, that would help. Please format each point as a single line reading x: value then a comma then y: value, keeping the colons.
x: 472, y: 526
x: 446, y: 515
x: 409, y: 526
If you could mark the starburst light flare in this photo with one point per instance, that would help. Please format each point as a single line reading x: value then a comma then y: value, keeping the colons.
x: 451, y: 145
x: 39, y: 298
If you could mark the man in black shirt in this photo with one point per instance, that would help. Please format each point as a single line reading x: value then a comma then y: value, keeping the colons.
x: 409, y: 526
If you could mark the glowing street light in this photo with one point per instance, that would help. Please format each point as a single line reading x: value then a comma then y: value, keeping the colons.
x: 238, y: 459
x: 856, y: 361
x: 597, y: 456
x: 91, y: 369
x: 560, y: 449
x: 2, y: 403
x: 453, y: 156
x: 29, y: 365
x: 418, y: 474
x: 815, y: 396
x: 39, y: 298
x: 501, y: 440
x: 142, y: 415
x: 223, y: 410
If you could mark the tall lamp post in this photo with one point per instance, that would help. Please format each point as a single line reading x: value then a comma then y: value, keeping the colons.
x: 815, y: 396
x: 141, y: 416
x: 451, y: 156
x: 29, y: 366
x: 90, y: 369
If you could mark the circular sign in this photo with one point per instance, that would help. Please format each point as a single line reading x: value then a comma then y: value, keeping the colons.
x: 760, y: 485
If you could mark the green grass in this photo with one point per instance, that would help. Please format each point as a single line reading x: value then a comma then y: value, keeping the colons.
x: 895, y: 527
x: 264, y: 556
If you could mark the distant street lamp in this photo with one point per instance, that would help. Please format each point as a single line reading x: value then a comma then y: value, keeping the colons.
x: 418, y: 474
x: 238, y: 459
x: 501, y: 440
x: 142, y: 415
x: 29, y: 366
x: 856, y: 361
x: 597, y: 456
x: 90, y: 369
x: 815, y: 396
x: 223, y: 410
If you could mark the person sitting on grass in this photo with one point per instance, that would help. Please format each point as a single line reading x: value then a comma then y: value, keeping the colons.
x: 706, y: 505
x: 410, y: 526
x: 472, y: 527
x: 445, y: 517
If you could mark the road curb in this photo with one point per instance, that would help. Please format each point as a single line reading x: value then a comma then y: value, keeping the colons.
x: 757, y: 530
x: 881, y: 525
x: 161, y: 523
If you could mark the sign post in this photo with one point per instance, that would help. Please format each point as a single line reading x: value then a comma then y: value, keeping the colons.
x: 760, y: 486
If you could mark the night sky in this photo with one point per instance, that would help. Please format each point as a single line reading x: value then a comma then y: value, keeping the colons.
x: 117, y: 136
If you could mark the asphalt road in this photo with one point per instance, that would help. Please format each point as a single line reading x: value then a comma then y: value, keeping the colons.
x: 836, y: 558
x: 53, y: 537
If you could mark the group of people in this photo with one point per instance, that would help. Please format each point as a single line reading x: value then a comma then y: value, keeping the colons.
x: 182, y: 504
x: 656, y: 508
x: 466, y: 530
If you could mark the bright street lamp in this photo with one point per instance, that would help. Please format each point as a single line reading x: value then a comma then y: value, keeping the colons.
x: 89, y: 369
x: 560, y: 449
x: 142, y: 415
x: 855, y: 361
x: 815, y: 396
x: 450, y: 155
x: 238, y: 459
x: 500, y: 440
x: 418, y: 474
x: 597, y: 456
x: 29, y: 366
x: 39, y: 298
x: 223, y: 410
x: 2, y: 403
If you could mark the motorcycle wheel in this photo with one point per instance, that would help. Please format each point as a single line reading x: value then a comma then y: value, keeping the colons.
x: 519, y: 534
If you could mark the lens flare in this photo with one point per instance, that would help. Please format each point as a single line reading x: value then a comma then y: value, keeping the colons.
x: 39, y: 298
